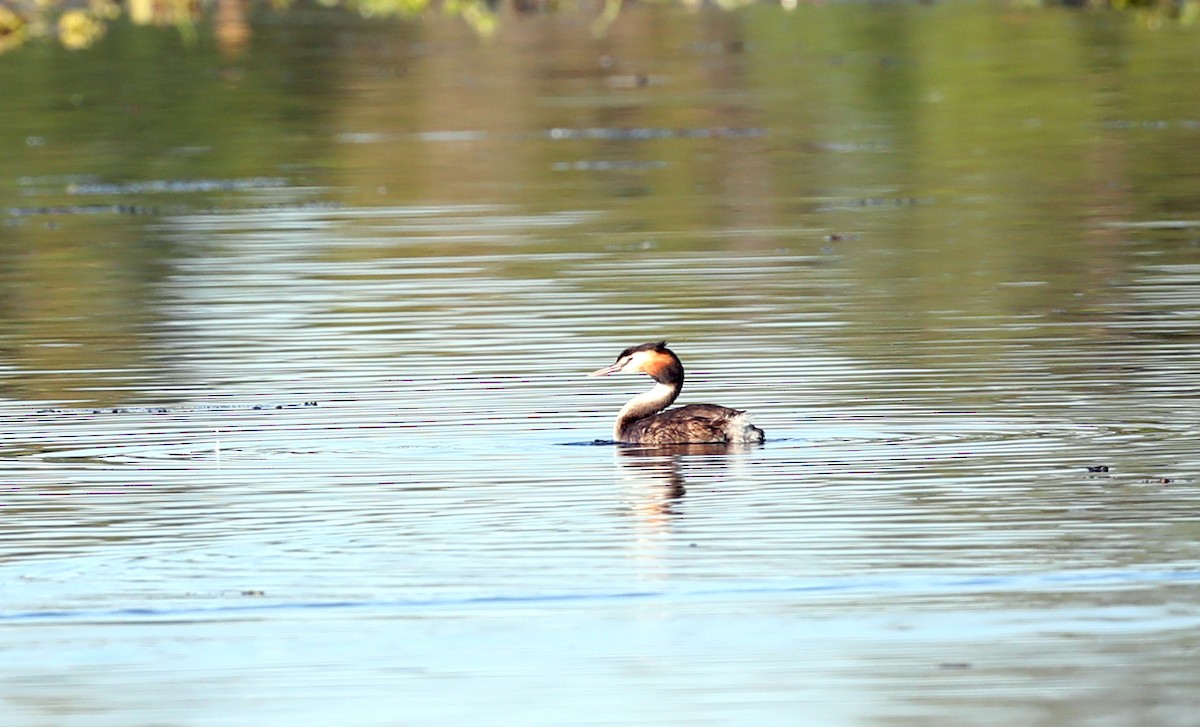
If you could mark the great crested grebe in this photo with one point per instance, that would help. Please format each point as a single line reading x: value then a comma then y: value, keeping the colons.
x: 642, y: 420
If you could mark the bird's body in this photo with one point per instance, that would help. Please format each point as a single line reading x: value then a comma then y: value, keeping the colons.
x: 643, y: 421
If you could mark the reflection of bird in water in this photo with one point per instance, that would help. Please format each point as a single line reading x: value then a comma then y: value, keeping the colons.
x: 642, y: 420
x: 662, y: 465
x: 658, y: 473
x: 656, y: 476
x: 653, y: 486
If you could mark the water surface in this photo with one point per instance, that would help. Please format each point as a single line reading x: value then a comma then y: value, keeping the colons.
x: 295, y: 423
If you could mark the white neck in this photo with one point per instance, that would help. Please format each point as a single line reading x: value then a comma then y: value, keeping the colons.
x: 644, y: 405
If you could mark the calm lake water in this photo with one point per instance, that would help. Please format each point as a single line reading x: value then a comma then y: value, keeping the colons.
x: 293, y: 338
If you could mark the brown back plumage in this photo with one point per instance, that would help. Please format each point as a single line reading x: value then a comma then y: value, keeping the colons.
x: 691, y: 423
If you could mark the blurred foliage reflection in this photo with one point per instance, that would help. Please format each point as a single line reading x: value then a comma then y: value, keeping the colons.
x: 875, y: 165
x: 78, y: 24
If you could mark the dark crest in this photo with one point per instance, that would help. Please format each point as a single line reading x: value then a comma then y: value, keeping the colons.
x: 655, y: 346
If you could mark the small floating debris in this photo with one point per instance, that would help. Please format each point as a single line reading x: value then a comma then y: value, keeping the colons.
x: 158, y: 186
x: 875, y: 203
x: 636, y: 80
x: 179, y: 409
x: 156, y: 210
x: 1098, y: 468
x: 89, y: 209
x: 644, y: 133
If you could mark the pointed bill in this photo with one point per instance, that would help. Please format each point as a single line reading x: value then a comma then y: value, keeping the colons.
x: 608, y: 369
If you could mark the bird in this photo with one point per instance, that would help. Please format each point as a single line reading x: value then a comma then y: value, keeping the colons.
x: 642, y: 419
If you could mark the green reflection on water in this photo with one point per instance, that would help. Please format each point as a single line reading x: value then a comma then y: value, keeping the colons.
x: 942, y: 180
